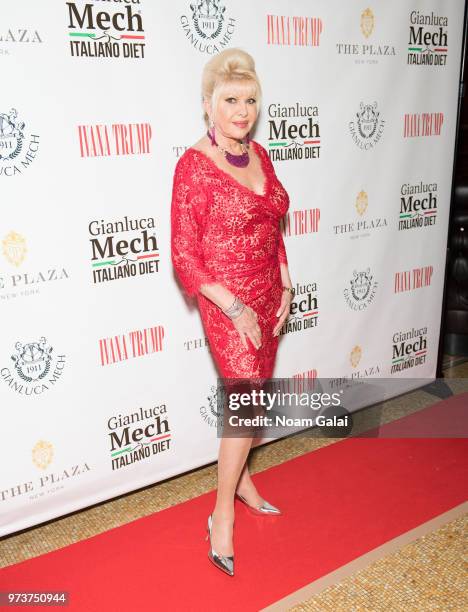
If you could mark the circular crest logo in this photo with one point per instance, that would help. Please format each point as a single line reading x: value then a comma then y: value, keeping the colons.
x: 361, y: 284
x: 35, y: 369
x: 367, y: 119
x: 211, y: 415
x: 362, y: 290
x: 367, y: 127
x: 208, y: 17
x: 208, y: 28
x: 11, y: 135
x: 32, y: 361
x: 17, y: 151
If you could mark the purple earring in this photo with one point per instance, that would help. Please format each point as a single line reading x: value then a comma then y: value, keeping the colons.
x: 211, y: 133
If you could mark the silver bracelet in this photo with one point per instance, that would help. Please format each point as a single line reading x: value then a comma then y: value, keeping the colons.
x: 233, y: 306
x: 235, y: 309
x: 238, y: 313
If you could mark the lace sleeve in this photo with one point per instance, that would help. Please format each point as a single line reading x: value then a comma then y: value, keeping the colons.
x: 187, y: 216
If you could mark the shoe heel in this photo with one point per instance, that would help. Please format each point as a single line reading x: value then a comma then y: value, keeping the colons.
x: 224, y: 563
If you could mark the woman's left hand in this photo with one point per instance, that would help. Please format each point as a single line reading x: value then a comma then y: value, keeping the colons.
x: 283, y: 311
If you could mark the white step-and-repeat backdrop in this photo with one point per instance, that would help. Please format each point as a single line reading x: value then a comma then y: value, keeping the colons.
x: 106, y: 380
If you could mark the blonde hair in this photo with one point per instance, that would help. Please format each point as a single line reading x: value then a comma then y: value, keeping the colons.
x: 231, y: 65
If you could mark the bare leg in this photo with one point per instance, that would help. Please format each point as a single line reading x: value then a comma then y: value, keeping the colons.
x: 248, y: 490
x: 232, y: 456
x: 246, y: 486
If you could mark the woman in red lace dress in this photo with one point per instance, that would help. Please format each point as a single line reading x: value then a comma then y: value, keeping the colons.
x: 228, y: 251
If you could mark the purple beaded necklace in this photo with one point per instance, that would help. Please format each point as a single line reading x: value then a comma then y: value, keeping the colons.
x: 240, y: 161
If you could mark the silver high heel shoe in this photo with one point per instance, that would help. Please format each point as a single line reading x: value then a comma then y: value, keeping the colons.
x: 265, y: 509
x: 224, y: 563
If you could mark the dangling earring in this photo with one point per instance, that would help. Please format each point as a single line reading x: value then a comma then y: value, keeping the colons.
x: 247, y: 138
x: 211, y: 133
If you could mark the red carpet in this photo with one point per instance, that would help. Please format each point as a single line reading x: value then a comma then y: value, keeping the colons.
x: 445, y: 419
x: 339, y: 502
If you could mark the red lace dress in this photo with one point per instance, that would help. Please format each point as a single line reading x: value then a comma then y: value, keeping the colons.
x: 223, y: 232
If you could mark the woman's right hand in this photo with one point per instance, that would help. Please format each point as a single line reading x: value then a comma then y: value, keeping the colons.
x: 248, y: 327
